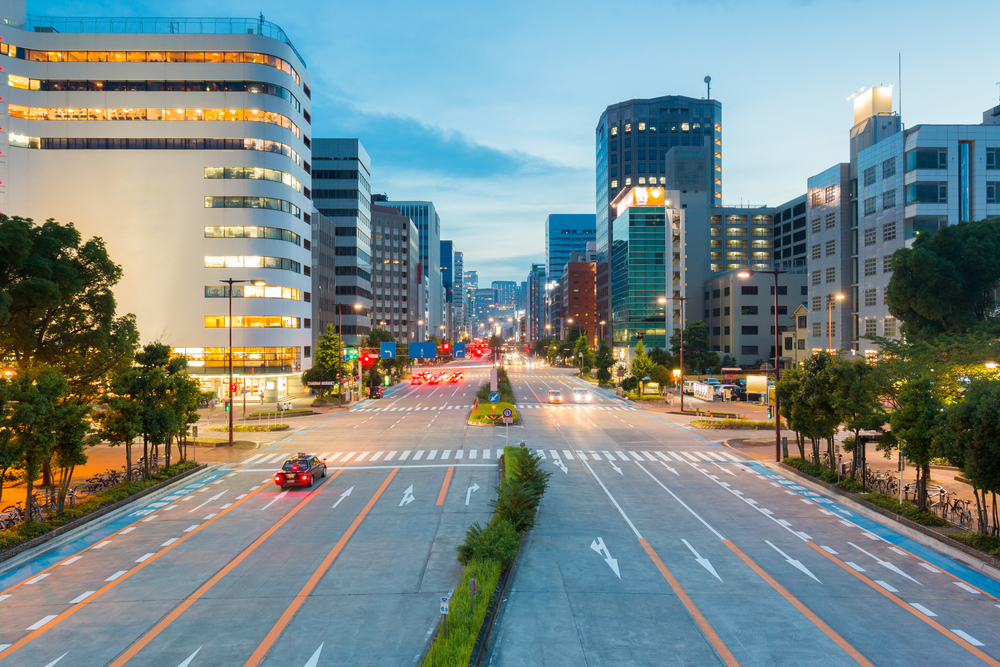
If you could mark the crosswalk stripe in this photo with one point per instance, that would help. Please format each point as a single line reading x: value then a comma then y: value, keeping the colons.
x: 677, y: 456
x: 609, y: 456
x: 253, y: 458
x: 622, y: 456
x: 334, y: 457
x: 445, y: 454
x: 276, y: 458
x: 568, y: 454
x: 347, y: 457
x: 432, y: 454
x: 459, y: 453
x: 323, y: 456
x: 486, y: 454
x: 583, y: 457
x: 405, y: 455
x: 596, y: 456
x: 375, y: 457
x: 636, y: 457
x: 664, y: 457
x: 472, y: 453
x: 388, y: 457
x: 418, y: 455
x: 703, y: 456
x: 648, y: 456
x: 729, y: 456
x: 691, y: 456
x: 541, y: 453
x: 555, y: 454
x: 361, y: 457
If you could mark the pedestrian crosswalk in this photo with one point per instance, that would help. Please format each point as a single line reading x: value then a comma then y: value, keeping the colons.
x: 519, y: 406
x: 715, y: 456
x: 371, y: 458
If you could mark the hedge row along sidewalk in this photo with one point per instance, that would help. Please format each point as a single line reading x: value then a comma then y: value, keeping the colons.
x: 80, y: 513
x: 488, y: 553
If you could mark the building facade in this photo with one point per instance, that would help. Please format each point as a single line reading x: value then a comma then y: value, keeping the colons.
x: 485, y: 304
x: 88, y: 137
x: 341, y: 192
x: 504, y: 292
x: 579, y: 301
x: 647, y: 261
x: 565, y: 234
x: 394, y: 276
x: 448, y: 286
x: 459, y: 314
x: 535, y: 312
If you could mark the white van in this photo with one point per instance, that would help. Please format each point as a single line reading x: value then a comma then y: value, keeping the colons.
x: 582, y: 395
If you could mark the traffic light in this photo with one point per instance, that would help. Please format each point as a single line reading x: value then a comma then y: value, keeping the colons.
x: 770, y: 412
x: 444, y: 347
x: 351, y: 354
x: 232, y: 388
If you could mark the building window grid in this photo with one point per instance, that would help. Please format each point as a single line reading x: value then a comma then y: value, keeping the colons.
x: 831, y: 274
x: 816, y: 251
x: 871, y: 297
x: 887, y: 264
x: 817, y: 277
x: 889, y: 199
x: 889, y: 231
x: 816, y: 225
x: 831, y: 220
x: 870, y: 266
x: 869, y: 176
x: 870, y: 237
x: 831, y: 247
x: 889, y: 167
x: 870, y: 206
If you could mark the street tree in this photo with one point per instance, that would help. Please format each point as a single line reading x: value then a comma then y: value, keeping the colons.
x: 698, y: 352
x: 858, y: 403
x: 582, y: 352
x: 57, y: 306
x: 662, y: 376
x: 946, y: 281
x: 641, y: 364
x: 661, y: 357
x: 119, y: 418
x: 603, y: 360
x: 793, y: 406
x: 328, y: 364
x: 915, y: 424
x: 817, y: 395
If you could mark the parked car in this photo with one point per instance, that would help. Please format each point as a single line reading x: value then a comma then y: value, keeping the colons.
x: 736, y: 392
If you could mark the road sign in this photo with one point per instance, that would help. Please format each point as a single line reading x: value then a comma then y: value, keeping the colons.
x: 507, y: 412
x: 422, y: 350
x: 494, y: 397
x: 508, y: 420
x: 387, y: 351
x: 444, y: 605
x: 459, y: 351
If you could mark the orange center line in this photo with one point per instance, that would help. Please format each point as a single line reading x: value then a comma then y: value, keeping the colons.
x: 827, y: 630
x: 699, y: 618
x: 931, y: 622
x: 204, y: 588
x: 444, y: 485
x: 299, y: 600
x: 80, y: 605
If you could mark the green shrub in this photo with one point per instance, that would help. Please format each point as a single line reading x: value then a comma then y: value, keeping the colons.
x: 524, y: 466
x: 278, y: 413
x: 907, y: 509
x: 737, y: 424
x: 463, y: 625
x: 987, y: 543
x: 252, y: 428
x: 517, y: 502
x: 497, y: 541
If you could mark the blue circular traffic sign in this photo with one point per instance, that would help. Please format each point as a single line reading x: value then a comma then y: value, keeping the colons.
x: 507, y: 412
x: 494, y: 397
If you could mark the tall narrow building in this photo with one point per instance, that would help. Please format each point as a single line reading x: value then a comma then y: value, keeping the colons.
x: 90, y: 137
x: 566, y: 234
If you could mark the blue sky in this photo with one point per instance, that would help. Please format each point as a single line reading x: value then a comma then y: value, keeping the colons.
x: 490, y: 110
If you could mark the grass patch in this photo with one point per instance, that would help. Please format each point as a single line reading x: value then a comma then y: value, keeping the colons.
x: 251, y: 428
x: 987, y: 543
x: 277, y: 413
x: 481, y: 413
x: 485, y: 552
x: 23, y: 532
x: 736, y: 424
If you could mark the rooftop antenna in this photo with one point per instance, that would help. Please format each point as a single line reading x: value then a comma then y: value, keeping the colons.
x: 708, y: 82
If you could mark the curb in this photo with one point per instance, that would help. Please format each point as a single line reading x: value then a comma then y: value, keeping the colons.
x: 15, y: 556
x: 977, y: 560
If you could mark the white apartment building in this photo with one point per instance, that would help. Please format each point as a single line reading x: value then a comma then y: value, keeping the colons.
x: 184, y: 144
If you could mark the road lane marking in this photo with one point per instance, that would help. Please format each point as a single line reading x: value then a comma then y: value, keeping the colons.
x: 304, y: 593
x: 102, y: 544
x: 41, y: 622
x: 71, y: 560
x: 169, y: 542
x: 36, y: 579
x: 444, y: 485
x: 83, y: 596
x: 145, y: 557
x: 969, y: 638
x: 204, y: 588
x: 954, y: 636
x: 388, y: 457
x: 117, y: 575
x: 923, y: 610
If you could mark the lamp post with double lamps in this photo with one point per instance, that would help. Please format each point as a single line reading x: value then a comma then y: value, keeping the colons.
x: 777, y: 356
x: 666, y: 314
x: 231, y: 282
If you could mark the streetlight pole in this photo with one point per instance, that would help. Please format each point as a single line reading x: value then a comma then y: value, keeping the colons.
x: 231, y: 282
x: 666, y: 313
x: 829, y: 318
x: 777, y: 356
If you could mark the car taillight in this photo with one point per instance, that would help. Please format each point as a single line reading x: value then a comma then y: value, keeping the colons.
x: 305, y: 478
x: 277, y: 478
x: 295, y: 467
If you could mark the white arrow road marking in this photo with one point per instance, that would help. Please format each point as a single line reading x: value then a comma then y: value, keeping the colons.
x: 468, y: 494
x: 215, y: 497
x: 407, y: 496
x: 598, y: 546
x: 189, y: 659
x: 342, y: 496
x: 886, y: 564
x: 67, y: 653
x: 617, y: 469
x: 276, y: 499
x: 314, y: 660
x: 702, y: 561
x: 558, y: 462
x: 794, y: 563
x: 670, y: 469
x: 725, y: 470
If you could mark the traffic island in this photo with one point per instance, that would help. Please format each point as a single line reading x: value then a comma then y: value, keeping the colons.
x: 489, y: 553
x: 483, y: 414
x: 250, y: 428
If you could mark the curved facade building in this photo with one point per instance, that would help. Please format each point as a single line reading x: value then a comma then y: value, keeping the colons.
x: 184, y: 144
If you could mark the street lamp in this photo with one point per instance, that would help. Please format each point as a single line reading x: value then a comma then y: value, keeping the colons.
x: 603, y: 322
x: 231, y: 282
x: 682, y: 299
x: 777, y: 355
x: 829, y: 318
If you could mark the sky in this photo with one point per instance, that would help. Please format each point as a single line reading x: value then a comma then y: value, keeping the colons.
x: 489, y: 110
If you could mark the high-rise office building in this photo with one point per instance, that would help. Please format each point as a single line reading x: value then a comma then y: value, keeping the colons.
x: 394, y: 273
x: 180, y: 205
x: 485, y: 302
x: 537, y: 302
x: 505, y: 292
x: 471, y: 281
x: 459, y: 313
x: 428, y: 223
x: 565, y: 234
x: 675, y: 143
x: 898, y: 184
x: 579, y: 301
x: 448, y: 286
x: 341, y: 191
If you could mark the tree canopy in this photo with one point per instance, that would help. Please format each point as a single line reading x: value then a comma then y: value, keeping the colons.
x: 698, y: 353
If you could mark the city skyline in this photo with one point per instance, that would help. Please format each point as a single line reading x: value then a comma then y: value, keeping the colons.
x: 513, y: 141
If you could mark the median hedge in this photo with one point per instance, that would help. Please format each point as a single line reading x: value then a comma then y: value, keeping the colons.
x: 482, y: 412
x: 737, y: 424
x: 23, y: 531
x: 503, y: 386
x: 486, y: 551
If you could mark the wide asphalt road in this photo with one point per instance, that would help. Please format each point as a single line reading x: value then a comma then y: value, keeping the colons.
x: 655, y: 545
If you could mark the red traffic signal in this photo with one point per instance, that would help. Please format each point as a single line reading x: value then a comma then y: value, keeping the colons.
x: 445, y: 347
x: 232, y: 388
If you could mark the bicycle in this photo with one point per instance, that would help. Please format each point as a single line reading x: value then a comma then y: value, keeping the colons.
x: 960, y: 509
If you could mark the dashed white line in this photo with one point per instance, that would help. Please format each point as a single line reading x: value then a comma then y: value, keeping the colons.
x: 169, y: 542
x: 72, y: 560
x: 964, y: 635
x: 52, y: 616
x: 116, y: 575
x: 922, y: 609
x: 102, y: 544
x: 144, y: 557
x: 35, y: 580
x: 83, y: 596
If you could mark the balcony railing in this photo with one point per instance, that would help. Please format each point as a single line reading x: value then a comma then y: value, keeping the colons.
x: 152, y: 25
